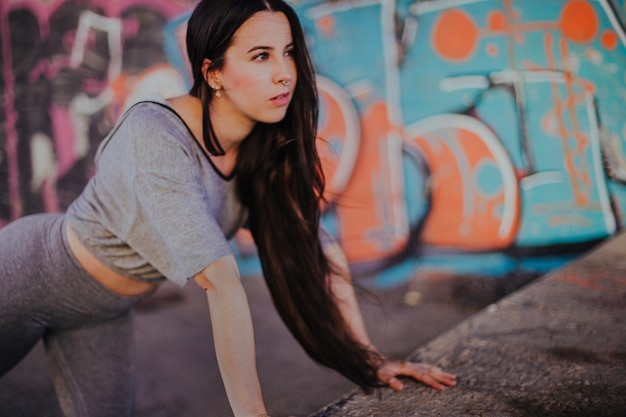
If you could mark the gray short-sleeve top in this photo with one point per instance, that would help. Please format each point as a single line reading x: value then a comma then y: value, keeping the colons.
x: 156, y: 207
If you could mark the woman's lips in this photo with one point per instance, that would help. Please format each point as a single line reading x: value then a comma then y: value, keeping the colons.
x: 281, y: 99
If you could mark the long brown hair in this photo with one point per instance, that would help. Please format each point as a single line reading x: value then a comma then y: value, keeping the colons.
x: 280, y: 181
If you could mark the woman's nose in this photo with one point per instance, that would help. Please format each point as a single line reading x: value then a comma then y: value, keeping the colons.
x: 285, y: 71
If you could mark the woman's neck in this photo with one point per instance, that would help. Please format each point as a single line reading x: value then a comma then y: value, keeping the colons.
x: 229, y: 130
x: 230, y: 133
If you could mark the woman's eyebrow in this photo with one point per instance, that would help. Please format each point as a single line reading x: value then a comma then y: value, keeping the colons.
x: 266, y: 48
x: 262, y: 48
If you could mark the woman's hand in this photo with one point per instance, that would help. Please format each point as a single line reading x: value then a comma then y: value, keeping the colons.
x: 430, y: 375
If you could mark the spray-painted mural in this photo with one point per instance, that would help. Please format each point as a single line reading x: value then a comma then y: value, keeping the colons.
x: 472, y: 136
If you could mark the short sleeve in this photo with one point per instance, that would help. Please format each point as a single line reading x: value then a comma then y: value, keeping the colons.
x: 173, y: 226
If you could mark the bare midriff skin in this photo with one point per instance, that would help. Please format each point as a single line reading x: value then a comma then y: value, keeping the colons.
x: 103, y: 274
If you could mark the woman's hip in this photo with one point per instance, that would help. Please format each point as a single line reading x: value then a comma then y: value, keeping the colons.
x: 41, y: 280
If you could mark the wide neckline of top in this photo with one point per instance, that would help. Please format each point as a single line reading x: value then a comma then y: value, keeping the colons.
x: 160, y: 101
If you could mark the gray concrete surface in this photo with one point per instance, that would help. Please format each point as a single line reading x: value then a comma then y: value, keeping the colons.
x: 555, y: 348
x: 177, y: 371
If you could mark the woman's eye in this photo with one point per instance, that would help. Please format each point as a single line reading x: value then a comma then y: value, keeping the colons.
x: 290, y: 52
x: 261, y: 57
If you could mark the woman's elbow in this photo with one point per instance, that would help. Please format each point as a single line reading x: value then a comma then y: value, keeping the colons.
x: 219, y: 276
x: 203, y: 282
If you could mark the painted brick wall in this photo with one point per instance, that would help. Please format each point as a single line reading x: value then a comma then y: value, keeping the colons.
x: 468, y: 136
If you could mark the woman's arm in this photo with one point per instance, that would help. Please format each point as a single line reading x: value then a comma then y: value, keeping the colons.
x: 389, y: 371
x: 233, y: 336
x: 341, y: 284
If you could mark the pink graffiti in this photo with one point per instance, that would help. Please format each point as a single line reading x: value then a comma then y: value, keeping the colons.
x: 11, y: 114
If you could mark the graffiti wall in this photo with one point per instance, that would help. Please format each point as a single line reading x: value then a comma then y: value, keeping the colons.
x: 471, y: 136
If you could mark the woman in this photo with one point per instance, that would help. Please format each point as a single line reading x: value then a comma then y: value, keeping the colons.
x: 176, y: 178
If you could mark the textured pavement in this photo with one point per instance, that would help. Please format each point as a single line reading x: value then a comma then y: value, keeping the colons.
x: 177, y: 370
x: 555, y: 348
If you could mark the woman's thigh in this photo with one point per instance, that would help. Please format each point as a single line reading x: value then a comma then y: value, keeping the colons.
x: 43, y: 288
x: 93, y: 368
x: 21, y: 291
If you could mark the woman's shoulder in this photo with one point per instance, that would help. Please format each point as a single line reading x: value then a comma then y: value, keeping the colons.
x: 147, y: 129
x: 151, y: 112
x: 156, y: 121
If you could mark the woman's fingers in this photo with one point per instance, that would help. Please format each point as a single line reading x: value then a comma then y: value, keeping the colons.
x: 430, y: 375
x: 433, y: 376
x: 395, y: 384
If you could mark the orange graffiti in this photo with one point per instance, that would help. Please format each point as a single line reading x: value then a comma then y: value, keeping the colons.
x: 326, y: 26
x: 455, y: 35
x: 578, y: 173
x: 460, y: 214
x: 330, y: 129
x: 609, y: 40
x: 496, y: 22
x: 367, y: 210
x: 508, y: 23
x: 579, y: 22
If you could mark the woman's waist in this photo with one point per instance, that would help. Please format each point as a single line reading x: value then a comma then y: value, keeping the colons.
x: 111, y: 279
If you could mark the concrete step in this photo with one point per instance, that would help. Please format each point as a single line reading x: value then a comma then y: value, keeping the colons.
x: 556, y: 347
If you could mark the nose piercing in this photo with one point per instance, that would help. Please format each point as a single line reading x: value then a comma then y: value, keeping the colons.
x: 285, y: 82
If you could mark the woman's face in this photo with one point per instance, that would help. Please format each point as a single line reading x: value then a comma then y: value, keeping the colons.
x: 259, y: 74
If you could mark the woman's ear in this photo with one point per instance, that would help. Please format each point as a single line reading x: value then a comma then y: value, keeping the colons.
x: 210, y: 75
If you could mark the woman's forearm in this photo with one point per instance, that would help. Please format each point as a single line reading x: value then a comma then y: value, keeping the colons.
x: 389, y: 370
x: 233, y: 335
x: 343, y: 290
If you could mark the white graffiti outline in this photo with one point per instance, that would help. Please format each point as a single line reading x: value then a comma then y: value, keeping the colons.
x: 443, y: 122
x: 423, y: 7
x: 113, y: 28
x: 541, y: 178
x: 594, y: 132
x: 351, y: 144
x: 341, y: 6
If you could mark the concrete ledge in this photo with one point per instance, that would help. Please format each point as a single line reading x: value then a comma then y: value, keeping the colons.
x: 557, y: 347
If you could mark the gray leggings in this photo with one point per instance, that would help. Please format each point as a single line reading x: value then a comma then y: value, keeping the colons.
x: 86, y: 329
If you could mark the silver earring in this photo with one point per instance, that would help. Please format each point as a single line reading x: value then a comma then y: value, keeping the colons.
x: 218, y: 92
x: 285, y: 83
